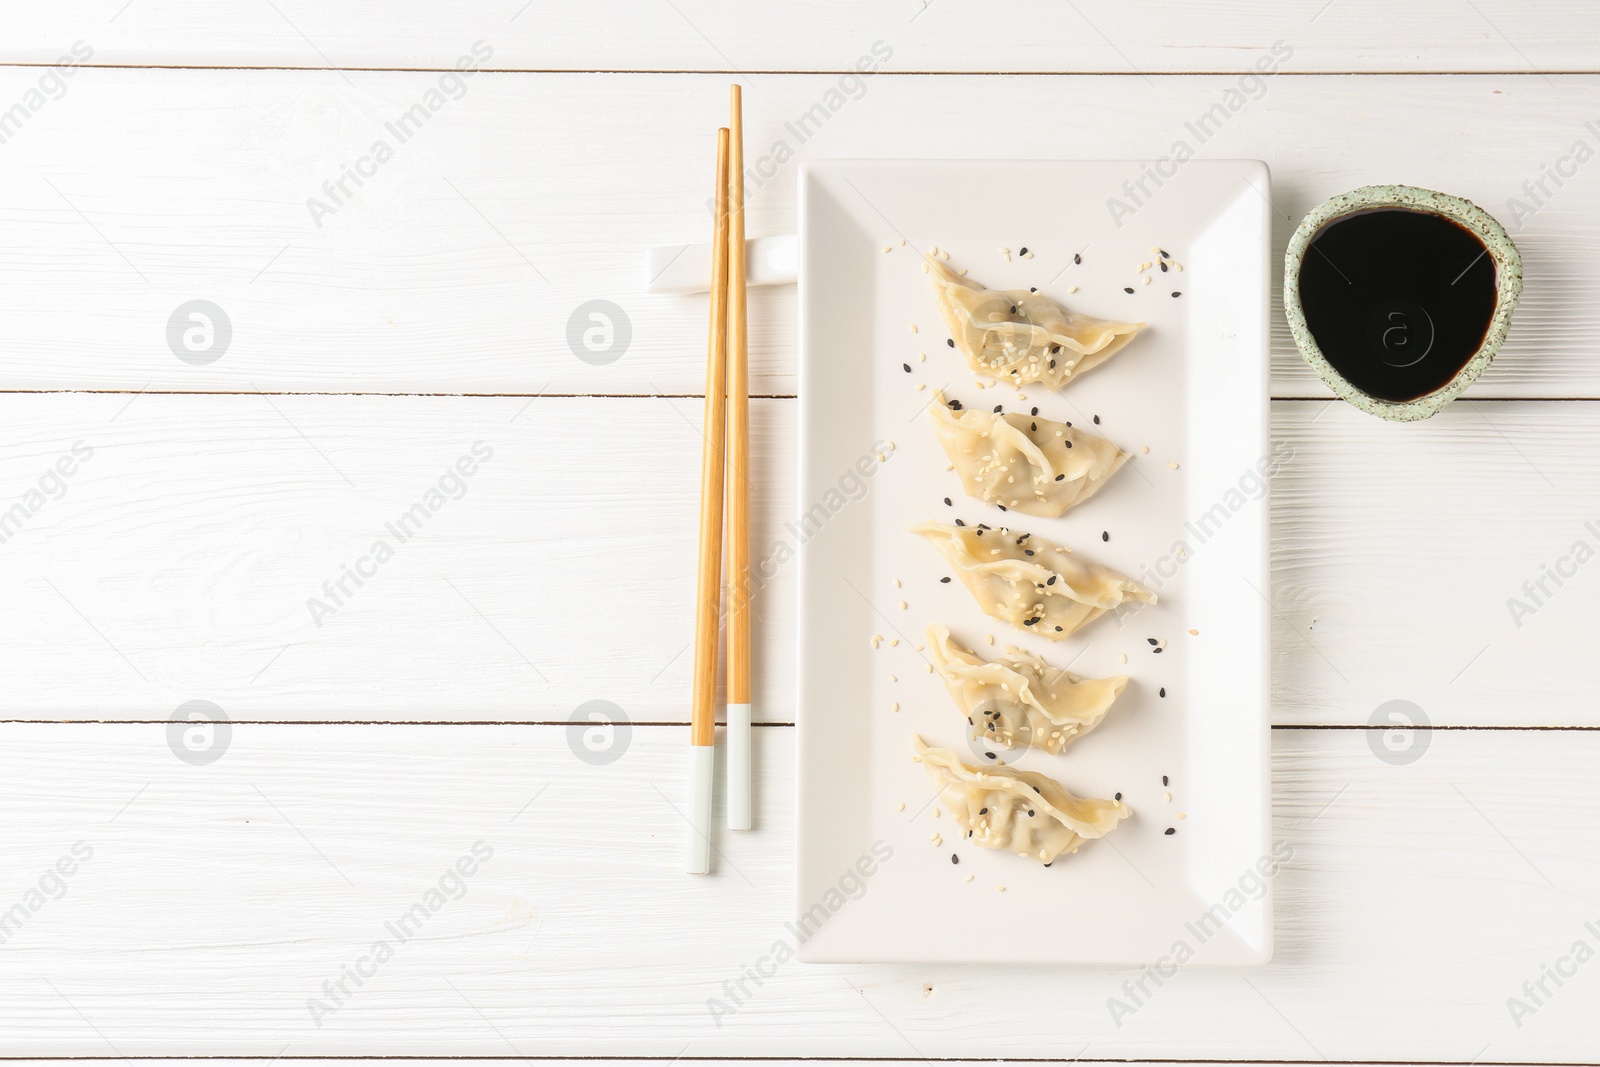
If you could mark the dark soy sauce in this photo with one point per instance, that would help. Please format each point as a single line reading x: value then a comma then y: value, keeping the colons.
x: 1398, y: 301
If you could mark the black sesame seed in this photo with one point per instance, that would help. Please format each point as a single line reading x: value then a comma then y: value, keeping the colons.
x: 1069, y: 443
x: 947, y: 503
x: 1030, y: 813
x: 1164, y: 780
x: 984, y: 526
x: 955, y: 405
x: 1127, y: 288
x: 1060, y: 477
x: 945, y: 580
x: 997, y: 409
x: 1027, y: 552
x: 1002, y: 507
x: 951, y: 341
x: 1169, y: 831
x: 1097, y: 420
x: 1163, y: 691
x: 1162, y: 252
x: 990, y: 755
x: 1151, y: 640
x: 1023, y: 252
x: 980, y: 533
x: 1032, y: 289
x: 954, y: 858
x: 1105, y: 535
x: 1077, y: 258
x: 983, y: 811
x: 1176, y: 295
x: 960, y: 523
x: 1163, y: 268
x: 1047, y: 864
x: 1158, y: 651
x: 1033, y: 425
x: 1055, y: 351
x: 1013, y: 309
x: 1035, y: 411
x: 1029, y: 622
x: 906, y: 367
x: 1117, y: 797
x: 1052, y: 364
x: 1052, y: 580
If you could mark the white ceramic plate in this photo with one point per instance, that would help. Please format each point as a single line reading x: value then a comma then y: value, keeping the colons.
x: 1193, y: 388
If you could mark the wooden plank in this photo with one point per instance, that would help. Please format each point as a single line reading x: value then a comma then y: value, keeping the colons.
x: 182, y: 559
x: 235, y: 890
x: 461, y: 263
x: 1003, y: 37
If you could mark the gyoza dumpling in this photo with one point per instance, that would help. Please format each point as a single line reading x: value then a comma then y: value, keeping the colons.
x: 1025, y: 463
x: 1031, y: 583
x: 1020, y: 336
x: 1020, y: 811
x: 1021, y: 701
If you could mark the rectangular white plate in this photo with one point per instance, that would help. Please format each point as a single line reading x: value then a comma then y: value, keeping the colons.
x: 1189, y: 519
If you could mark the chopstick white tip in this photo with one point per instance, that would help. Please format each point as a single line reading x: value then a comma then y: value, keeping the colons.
x: 738, y: 766
x: 702, y: 761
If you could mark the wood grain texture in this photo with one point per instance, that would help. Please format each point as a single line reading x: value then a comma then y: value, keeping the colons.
x: 448, y: 270
x: 1090, y: 36
x: 186, y: 559
x: 233, y: 891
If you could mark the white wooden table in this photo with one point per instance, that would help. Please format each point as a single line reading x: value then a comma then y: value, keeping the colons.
x: 176, y: 518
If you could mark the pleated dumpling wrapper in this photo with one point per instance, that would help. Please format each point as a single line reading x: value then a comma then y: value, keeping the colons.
x: 1020, y: 811
x: 1025, y: 463
x: 1023, y: 337
x: 1020, y: 701
x: 1029, y: 582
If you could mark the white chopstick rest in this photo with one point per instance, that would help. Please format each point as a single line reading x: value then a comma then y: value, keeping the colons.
x: 702, y: 769
x: 738, y: 747
x: 683, y: 269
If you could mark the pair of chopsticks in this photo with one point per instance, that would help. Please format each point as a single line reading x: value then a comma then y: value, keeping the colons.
x: 725, y: 459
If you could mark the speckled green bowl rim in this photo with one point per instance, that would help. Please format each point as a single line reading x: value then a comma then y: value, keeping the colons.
x: 1508, y: 288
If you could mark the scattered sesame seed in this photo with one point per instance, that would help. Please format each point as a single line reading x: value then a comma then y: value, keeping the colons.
x: 894, y: 707
x: 921, y: 386
x: 989, y: 755
x: 1163, y: 691
x: 1127, y: 288
x: 1146, y: 280
x: 913, y: 327
x: 960, y: 523
x: 999, y: 889
x: 1164, y: 780
x: 954, y: 858
x: 1176, y: 294
x: 1169, y: 831
x: 1124, y: 657
x: 1097, y: 420
x: 892, y: 678
x: 902, y: 242
x: 902, y: 806
x: 1163, y: 268
x: 1035, y: 411
x: 945, y: 580
x: 968, y: 878
x: 1183, y: 815
x: 951, y: 341
x: 1173, y: 465
x: 922, y: 357
x: 1076, y: 258
x: 1194, y: 633
x: 1105, y: 535
x: 902, y: 605
x: 1145, y: 450
x: 1168, y: 796
x: 886, y: 248
x: 906, y: 367
x: 1072, y: 289
x: 1117, y: 797
x: 991, y: 638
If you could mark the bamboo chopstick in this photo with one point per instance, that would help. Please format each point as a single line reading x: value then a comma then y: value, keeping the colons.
x: 738, y: 485
x: 708, y: 599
